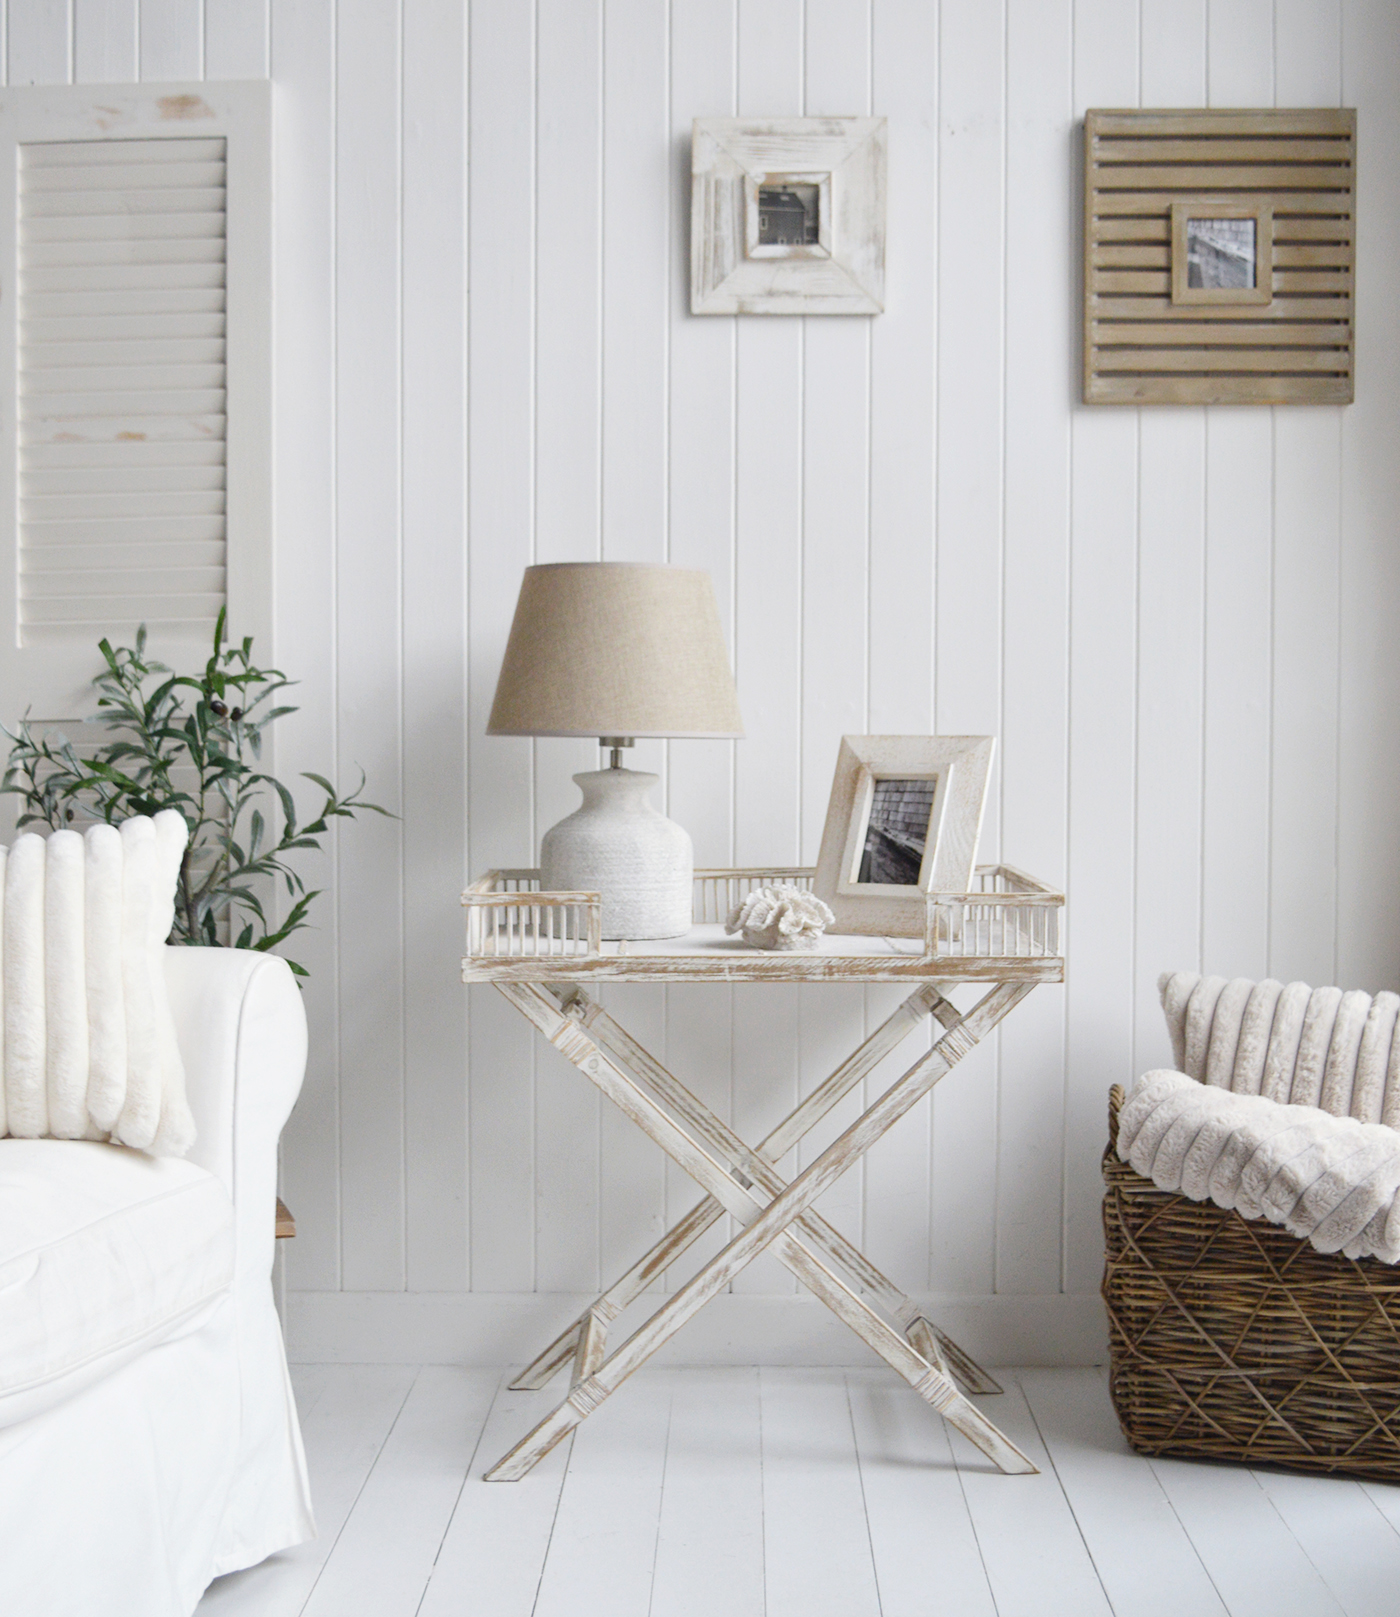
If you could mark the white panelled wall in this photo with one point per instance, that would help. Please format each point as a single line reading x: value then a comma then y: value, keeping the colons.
x: 1179, y: 622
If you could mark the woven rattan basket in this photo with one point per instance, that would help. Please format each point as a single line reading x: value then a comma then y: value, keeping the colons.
x: 1232, y: 1340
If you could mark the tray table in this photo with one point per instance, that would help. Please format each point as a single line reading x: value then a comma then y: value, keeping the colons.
x: 542, y: 951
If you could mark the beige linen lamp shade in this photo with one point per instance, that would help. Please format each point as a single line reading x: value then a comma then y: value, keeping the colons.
x: 615, y: 649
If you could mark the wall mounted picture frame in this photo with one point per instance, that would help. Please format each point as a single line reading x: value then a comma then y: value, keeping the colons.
x: 1272, y: 318
x: 787, y: 216
x: 902, y: 824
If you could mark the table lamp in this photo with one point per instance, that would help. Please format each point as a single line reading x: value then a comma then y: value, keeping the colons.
x: 618, y: 650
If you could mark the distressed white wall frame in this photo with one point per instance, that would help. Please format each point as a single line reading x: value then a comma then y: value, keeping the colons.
x: 732, y: 271
x: 135, y: 345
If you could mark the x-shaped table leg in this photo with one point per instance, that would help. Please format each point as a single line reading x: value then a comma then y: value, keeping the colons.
x: 930, y: 1341
x: 767, y: 1225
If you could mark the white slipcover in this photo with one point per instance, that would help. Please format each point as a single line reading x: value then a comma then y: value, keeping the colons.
x: 103, y: 1253
x: 125, y: 1494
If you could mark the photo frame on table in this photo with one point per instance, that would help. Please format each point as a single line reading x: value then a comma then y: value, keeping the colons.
x: 787, y: 216
x: 903, y: 822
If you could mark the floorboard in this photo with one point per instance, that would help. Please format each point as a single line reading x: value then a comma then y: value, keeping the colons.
x: 817, y: 1555
x: 709, y: 1549
x: 603, y: 1549
x: 793, y: 1493
x: 1385, y: 1496
x: 1143, y: 1556
x: 499, y: 1535
x: 1354, y: 1548
x: 927, y: 1559
x: 343, y: 1434
x: 1252, y: 1557
x: 1036, y: 1559
x: 385, y: 1553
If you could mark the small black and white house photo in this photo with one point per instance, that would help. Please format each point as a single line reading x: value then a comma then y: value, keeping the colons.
x: 897, y: 831
x: 789, y: 215
x: 1221, y: 253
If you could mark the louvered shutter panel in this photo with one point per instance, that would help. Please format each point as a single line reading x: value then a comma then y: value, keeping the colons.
x: 137, y: 319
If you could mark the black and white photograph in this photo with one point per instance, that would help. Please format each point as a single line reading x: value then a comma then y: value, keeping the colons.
x: 896, y: 833
x: 789, y: 215
x: 1222, y: 253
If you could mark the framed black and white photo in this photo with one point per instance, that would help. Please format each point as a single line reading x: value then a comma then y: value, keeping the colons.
x: 902, y: 824
x: 787, y: 216
x: 1222, y: 252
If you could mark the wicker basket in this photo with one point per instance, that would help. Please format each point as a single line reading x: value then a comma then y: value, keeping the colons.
x: 1232, y: 1340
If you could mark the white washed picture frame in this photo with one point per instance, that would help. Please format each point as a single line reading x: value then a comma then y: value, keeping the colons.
x: 959, y: 767
x: 843, y: 271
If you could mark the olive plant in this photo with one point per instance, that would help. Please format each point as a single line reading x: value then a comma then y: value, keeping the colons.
x: 190, y: 742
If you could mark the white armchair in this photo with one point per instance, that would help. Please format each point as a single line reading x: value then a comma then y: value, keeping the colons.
x: 148, y: 1437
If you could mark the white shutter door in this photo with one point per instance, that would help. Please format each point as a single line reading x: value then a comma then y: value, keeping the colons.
x: 136, y: 319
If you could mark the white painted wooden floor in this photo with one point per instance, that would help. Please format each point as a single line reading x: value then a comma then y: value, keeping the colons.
x: 793, y: 1493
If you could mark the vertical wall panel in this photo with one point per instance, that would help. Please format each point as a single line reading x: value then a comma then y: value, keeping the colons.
x: 700, y: 523
x: 305, y: 369
x: 701, y: 409
x: 172, y: 39
x: 1170, y: 618
x: 1103, y: 650
x: 369, y: 641
x: 39, y: 42
x: 1235, y: 853
x: 500, y: 470
x: 1239, y: 587
x: 971, y: 289
x: 768, y: 612
x: 899, y: 597
x: 1034, y: 724
x: 636, y: 353
x: 1240, y: 61
x: 636, y: 207
x: 104, y: 42
x: 836, y: 460
x: 434, y: 644
x: 835, y: 566
x: 568, y: 362
x: 1368, y: 840
x: 236, y: 40
x: 1307, y: 498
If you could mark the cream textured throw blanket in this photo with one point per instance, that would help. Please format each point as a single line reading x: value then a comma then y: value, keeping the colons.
x: 1283, y: 1109
x: 1329, y: 1180
x: 89, y: 1048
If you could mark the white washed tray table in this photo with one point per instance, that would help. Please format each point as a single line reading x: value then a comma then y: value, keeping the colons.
x: 541, y: 949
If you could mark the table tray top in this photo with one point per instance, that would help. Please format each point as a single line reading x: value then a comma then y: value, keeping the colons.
x: 1006, y: 931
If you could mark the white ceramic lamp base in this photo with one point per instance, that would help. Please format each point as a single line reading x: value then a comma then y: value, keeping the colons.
x: 618, y: 845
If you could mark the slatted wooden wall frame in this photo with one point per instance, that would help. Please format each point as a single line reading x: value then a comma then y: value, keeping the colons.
x: 1140, y: 347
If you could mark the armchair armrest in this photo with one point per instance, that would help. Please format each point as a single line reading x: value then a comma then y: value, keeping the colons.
x: 242, y: 1033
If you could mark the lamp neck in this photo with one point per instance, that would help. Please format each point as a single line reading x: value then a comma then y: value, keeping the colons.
x: 615, y: 744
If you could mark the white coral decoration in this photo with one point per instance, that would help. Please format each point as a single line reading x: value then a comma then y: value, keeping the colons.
x: 781, y: 917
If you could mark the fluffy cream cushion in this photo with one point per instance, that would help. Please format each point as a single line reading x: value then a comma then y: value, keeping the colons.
x: 89, y: 1047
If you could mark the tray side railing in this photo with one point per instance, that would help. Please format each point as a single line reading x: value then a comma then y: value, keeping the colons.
x: 509, y: 917
x: 1008, y: 915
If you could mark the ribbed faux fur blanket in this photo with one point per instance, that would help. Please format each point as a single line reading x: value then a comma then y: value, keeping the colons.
x: 1330, y: 1180
x: 89, y: 1047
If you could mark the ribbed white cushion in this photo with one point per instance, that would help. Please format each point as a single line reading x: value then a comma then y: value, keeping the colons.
x: 103, y: 1252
